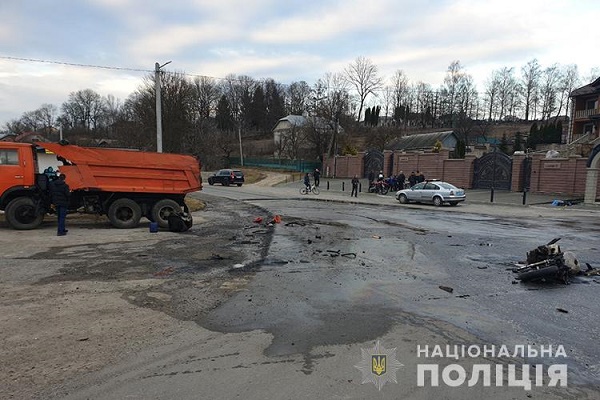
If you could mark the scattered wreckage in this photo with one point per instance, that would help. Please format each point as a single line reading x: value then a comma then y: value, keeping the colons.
x: 548, y: 263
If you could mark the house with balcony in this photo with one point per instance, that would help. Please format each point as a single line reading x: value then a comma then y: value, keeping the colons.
x: 585, y: 113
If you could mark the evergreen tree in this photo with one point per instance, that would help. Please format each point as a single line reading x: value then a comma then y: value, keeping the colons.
x: 461, y: 149
x: 518, y: 145
x: 503, y: 147
x: 224, y: 117
x: 258, y: 109
x: 275, y: 102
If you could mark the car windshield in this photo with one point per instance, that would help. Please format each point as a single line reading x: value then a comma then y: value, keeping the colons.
x: 419, y: 186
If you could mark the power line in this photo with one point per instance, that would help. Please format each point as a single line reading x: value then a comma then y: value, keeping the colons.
x: 75, y: 64
x: 34, y: 60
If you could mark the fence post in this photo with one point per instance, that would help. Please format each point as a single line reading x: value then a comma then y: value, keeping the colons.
x: 327, y: 185
x: 343, y: 185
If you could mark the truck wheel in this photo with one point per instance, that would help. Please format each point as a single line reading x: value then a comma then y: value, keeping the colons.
x: 23, y: 214
x: 124, y: 214
x: 162, y: 209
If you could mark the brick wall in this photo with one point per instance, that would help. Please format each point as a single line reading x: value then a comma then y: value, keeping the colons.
x: 564, y: 176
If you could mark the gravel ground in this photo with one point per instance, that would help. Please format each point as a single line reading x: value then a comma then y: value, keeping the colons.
x: 71, y: 305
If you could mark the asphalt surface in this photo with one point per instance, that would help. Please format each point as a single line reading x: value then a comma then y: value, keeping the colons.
x: 478, y: 201
x: 301, y: 313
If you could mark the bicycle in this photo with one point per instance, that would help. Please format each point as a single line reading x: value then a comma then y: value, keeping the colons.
x: 312, y: 189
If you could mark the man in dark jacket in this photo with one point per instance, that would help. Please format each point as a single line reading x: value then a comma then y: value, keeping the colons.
x: 59, y: 194
x: 317, y: 177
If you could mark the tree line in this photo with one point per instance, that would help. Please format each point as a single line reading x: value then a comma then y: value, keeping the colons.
x: 207, y: 116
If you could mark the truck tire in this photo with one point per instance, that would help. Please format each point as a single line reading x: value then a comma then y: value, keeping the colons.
x: 124, y: 213
x: 163, y: 209
x: 23, y: 214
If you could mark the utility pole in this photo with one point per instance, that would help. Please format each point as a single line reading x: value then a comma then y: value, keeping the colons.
x: 240, y: 138
x: 157, y: 68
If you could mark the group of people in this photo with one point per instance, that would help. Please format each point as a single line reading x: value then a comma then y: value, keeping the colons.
x: 399, y: 181
x: 316, y: 176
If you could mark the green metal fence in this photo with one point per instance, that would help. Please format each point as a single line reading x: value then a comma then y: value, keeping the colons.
x: 272, y: 163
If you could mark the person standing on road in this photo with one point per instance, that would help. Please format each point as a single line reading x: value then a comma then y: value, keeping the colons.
x: 412, y: 179
x: 317, y: 177
x: 355, y: 183
x: 401, y: 179
x: 59, y: 195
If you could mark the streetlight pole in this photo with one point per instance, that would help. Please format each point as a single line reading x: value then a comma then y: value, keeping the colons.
x: 157, y: 68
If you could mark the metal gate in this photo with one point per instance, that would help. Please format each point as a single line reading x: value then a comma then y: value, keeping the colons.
x: 493, y: 170
x: 373, y: 162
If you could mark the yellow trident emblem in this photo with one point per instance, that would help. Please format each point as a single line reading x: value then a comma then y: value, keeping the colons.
x: 378, y: 367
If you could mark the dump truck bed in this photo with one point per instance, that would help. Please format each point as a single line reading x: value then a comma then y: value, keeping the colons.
x: 119, y: 170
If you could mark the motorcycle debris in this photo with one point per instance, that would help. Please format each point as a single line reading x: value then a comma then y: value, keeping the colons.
x: 447, y: 289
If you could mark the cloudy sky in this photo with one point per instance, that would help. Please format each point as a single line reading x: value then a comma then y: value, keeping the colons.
x: 285, y: 40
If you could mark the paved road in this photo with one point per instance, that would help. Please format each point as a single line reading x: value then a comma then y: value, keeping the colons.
x: 296, y: 330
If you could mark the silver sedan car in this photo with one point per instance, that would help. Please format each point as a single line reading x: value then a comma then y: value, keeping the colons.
x: 434, y: 192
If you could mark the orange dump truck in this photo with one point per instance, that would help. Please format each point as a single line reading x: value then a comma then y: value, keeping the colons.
x: 122, y: 184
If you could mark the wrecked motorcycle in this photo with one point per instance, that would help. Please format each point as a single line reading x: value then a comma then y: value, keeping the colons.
x: 548, y: 263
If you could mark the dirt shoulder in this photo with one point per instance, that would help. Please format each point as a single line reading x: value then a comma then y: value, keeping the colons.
x: 71, y: 305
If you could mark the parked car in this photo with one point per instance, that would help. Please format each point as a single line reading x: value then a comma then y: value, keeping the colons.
x: 227, y: 177
x: 434, y: 192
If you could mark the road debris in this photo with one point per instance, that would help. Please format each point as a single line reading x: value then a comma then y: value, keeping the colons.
x: 447, y: 289
x: 165, y: 271
x: 548, y: 263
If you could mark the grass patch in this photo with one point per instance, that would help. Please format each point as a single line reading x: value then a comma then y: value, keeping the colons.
x: 194, y: 204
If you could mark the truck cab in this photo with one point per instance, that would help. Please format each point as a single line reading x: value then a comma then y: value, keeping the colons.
x: 17, y: 166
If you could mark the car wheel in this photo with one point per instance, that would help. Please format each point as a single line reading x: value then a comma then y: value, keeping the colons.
x: 453, y: 203
x: 403, y: 199
x: 239, y: 184
x: 124, y: 213
x: 226, y: 182
x: 437, y: 201
x: 211, y: 182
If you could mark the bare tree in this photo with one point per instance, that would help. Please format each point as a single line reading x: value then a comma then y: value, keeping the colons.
x: 508, y: 89
x: 452, y: 82
x: 293, y: 140
x: 551, y: 79
x: 568, y: 83
x: 402, y: 97
x: 15, y: 126
x: 492, y: 89
x: 530, y: 77
x: 298, y: 95
x: 331, y: 100
x: 592, y: 76
x: 207, y: 96
x: 362, y: 74
x: 83, y: 109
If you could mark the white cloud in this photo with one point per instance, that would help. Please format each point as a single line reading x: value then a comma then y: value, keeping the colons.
x: 287, y: 41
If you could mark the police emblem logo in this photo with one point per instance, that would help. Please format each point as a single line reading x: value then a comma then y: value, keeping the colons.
x: 379, y: 365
